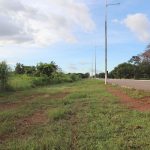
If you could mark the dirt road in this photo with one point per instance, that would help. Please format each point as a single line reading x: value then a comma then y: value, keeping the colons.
x: 137, y: 84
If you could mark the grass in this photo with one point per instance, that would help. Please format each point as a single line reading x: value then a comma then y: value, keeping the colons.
x: 134, y: 93
x: 85, y: 118
x: 20, y: 82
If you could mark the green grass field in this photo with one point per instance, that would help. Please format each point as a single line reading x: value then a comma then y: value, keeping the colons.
x: 72, y: 116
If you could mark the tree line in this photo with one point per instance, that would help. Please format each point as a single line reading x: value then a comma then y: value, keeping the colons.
x: 138, y: 67
x: 41, y: 74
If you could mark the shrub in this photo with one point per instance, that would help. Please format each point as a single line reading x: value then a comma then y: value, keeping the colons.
x: 40, y: 81
x: 4, y: 73
x: 20, y: 82
x: 59, y: 77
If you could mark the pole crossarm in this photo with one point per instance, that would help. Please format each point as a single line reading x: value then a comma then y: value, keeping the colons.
x: 111, y: 4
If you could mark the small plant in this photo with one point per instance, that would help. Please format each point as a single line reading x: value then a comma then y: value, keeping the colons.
x: 4, y: 73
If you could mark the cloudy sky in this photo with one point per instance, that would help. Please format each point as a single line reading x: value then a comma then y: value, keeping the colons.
x: 69, y: 31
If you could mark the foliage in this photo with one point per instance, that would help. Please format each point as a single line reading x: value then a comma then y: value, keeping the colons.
x: 30, y: 70
x: 4, y: 73
x: 138, y: 67
x: 124, y: 70
x: 101, y: 75
x: 19, y: 69
x: 46, y: 69
x: 20, y: 82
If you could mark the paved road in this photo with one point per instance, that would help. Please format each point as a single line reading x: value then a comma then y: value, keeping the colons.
x: 137, y: 84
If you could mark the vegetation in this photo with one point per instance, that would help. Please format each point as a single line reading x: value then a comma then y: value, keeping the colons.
x: 24, y: 77
x: 71, y: 116
x: 131, y: 92
x: 4, y: 73
x: 138, y: 67
x: 124, y: 70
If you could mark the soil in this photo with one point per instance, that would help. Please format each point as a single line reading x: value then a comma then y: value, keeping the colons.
x: 24, y: 125
x: 6, y: 106
x: 132, y: 103
x: 75, y: 120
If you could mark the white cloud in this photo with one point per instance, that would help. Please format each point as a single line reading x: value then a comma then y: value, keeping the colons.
x: 139, y: 24
x: 42, y: 22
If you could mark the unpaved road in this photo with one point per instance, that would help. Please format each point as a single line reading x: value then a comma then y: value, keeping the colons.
x: 137, y: 84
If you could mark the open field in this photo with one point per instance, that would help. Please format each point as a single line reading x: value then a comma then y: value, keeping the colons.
x: 76, y: 116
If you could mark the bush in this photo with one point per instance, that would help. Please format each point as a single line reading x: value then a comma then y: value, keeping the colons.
x: 40, y: 81
x: 20, y: 82
x: 4, y: 73
x: 59, y: 77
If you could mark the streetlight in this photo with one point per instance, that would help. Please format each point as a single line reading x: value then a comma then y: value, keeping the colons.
x: 106, y: 5
x: 95, y: 62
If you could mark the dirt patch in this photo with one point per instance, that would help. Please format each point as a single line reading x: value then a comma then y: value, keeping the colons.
x: 136, y: 104
x: 37, y: 118
x: 24, y: 125
x: 56, y: 95
x: 6, y: 106
x: 75, y: 120
x: 59, y: 95
x: 23, y: 101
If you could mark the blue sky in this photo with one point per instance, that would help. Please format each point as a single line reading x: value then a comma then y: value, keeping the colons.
x: 68, y: 31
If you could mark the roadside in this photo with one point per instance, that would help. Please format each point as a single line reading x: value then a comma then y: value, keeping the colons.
x: 130, y: 83
x: 140, y: 104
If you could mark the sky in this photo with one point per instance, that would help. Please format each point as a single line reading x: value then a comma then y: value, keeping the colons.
x: 69, y: 31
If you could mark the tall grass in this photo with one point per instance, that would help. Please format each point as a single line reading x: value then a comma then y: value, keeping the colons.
x: 20, y: 82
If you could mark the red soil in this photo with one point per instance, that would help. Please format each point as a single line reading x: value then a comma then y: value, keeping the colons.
x: 136, y: 104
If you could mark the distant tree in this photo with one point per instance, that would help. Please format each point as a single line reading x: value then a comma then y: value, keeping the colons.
x: 19, y: 69
x: 30, y: 70
x: 46, y: 69
x: 135, y: 60
x: 146, y: 56
x: 4, y: 73
x: 124, y: 70
x: 101, y: 75
x: 142, y: 64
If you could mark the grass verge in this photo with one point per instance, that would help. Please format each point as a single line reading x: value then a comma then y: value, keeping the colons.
x: 86, y: 118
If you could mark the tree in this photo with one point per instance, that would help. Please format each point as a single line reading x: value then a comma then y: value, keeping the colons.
x: 135, y: 60
x: 19, y: 69
x: 46, y: 69
x: 101, y: 75
x: 124, y: 70
x: 142, y: 64
x: 30, y: 70
x: 4, y: 73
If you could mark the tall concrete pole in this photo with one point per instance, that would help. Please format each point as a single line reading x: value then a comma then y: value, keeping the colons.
x: 105, y: 42
x: 95, y: 62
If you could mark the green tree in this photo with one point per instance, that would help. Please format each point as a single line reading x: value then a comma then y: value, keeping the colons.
x: 124, y: 70
x: 4, y: 73
x: 141, y: 64
x: 19, y: 69
x: 30, y: 70
x: 46, y: 69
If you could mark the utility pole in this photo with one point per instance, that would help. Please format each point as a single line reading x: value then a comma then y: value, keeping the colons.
x: 106, y: 6
x: 95, y: 62
x: 92, y: 67
x: 105, y: 42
